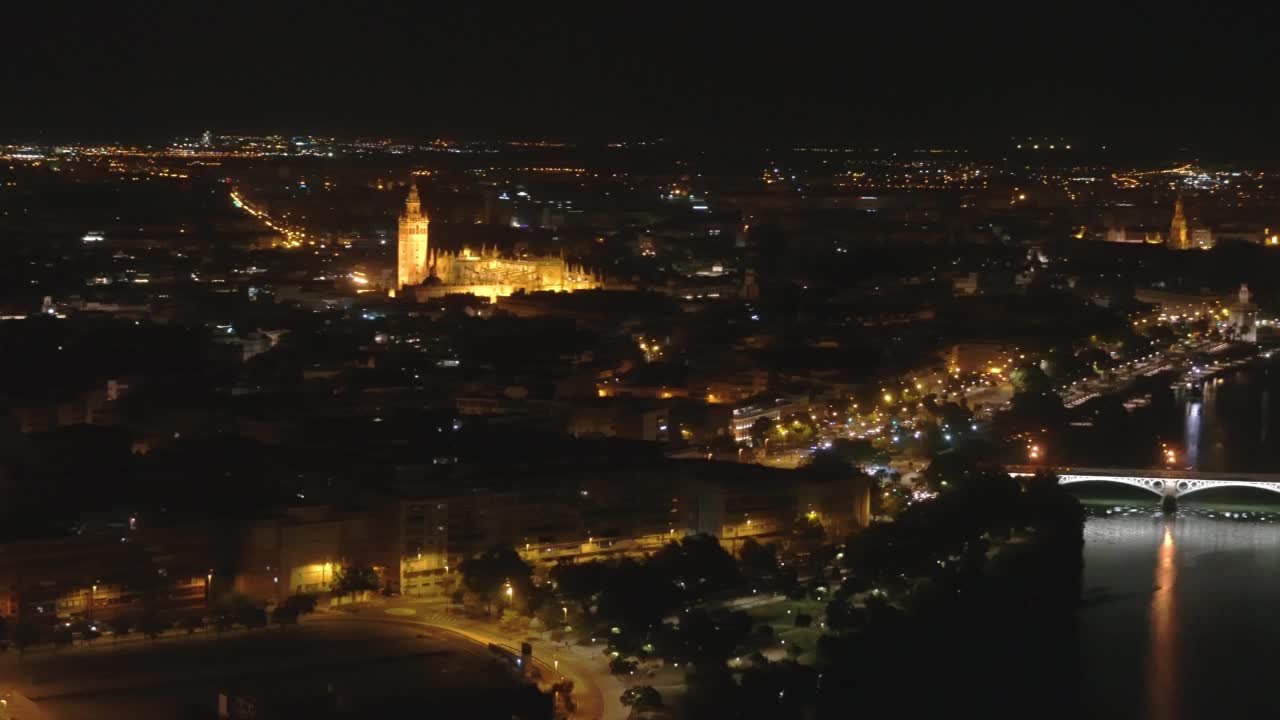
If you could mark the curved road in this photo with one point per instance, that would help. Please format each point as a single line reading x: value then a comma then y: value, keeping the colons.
x: 596, y: 692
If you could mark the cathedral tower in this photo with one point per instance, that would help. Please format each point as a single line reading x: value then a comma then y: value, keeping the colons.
x: 411, y: 264
x: 1178, y: 239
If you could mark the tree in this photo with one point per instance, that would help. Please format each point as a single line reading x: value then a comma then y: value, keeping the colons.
x: 711, y: 693
x: 223, y: 622
x: 724, y: 447
x: 758, y: 561
x: 284, y: 615
x: 761, y: 430
x: 698, y: 564
x: 62, y: 636
x: 855, y: 452
x: 798, y: 429
x: 777, y: 690
x: 949, y: 469
x: 641, y: 696
x: 121, y: 627
x: 87, y: 630
x: 705, y: 640
x: 496, y: 572
x: 637, y: 597
x: 825, y: 464
x: 1029, y: 378
x: 351, y: 579
x: 622, y: 666
x: 808, y: 532
x: 251, y: 616
x: 580, y: 582
x: 841, y: 616
x: 25, y: 634
x: 301, y: 604
x: 151, y: 624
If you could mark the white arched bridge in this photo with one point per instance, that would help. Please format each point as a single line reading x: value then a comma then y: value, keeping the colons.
x: 1165, y: 483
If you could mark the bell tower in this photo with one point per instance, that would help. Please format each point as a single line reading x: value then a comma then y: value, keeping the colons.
x: 1178, y: 239
x: 412, y: 241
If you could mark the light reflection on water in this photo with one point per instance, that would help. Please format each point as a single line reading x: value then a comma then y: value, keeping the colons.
x: 1162, y: 657
x: 1191, y: 434
x: 1228, y: 428
x: 1180, y: 616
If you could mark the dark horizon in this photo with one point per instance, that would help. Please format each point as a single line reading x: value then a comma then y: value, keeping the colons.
x: 832, y: 75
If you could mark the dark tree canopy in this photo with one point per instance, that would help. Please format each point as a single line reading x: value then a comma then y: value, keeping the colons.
x: 489, y: 573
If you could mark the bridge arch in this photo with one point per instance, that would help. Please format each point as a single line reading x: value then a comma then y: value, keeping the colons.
x: 1157, y: 486
x: 1188, y: 486
x: 1171, y: 484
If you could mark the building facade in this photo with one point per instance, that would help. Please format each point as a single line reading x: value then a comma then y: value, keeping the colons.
x: 487, y: 273
x: 492, y: 275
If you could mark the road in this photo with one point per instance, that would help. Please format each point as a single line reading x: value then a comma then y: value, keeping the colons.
x: 596, y: 690
x: 1177, y: 357
x: 180, y: 676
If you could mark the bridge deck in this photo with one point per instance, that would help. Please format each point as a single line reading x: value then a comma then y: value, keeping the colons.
x: 1151, y: 473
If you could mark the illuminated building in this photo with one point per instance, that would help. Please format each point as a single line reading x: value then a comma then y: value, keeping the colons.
x: 1135, y: 234
x: 748, y: 412
x: 488, y: 273
x: 411, y: 264
x: 1179, y: 239
x: 1202, y: 238
x: 1242, y: 317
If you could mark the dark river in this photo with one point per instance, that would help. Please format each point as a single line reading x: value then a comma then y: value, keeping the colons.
x: 1182, y: 612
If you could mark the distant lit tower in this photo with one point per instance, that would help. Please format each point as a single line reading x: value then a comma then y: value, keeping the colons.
x: 1242, y: 317
x: 1178, y: 237
x: 206, y: 138
x: 411, y: 265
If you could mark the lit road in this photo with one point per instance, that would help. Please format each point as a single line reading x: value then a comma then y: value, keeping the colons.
x: 179, y: 675
x: 293, y: 237
x: 596, y: 691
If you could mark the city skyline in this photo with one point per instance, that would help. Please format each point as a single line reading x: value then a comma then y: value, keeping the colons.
x: 658, y: 362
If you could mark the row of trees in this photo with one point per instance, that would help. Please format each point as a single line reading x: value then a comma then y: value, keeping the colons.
x: 231, y: 611
x: 794, y: 430
x: 629, y: 598
x: 983, y: 581
x: 977, y: 586
x: 984, y: 576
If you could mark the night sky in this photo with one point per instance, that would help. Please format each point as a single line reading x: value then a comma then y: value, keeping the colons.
x: 851, y: 73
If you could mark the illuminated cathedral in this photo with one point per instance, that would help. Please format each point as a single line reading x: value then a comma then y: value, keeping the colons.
x: 488, y: 273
